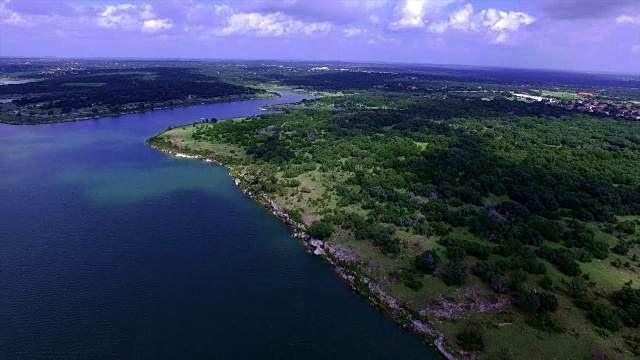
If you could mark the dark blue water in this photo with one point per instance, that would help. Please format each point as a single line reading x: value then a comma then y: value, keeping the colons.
x: 110, y: 249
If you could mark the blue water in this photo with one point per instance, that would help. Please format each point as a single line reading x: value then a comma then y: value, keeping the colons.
x: 110, y: 249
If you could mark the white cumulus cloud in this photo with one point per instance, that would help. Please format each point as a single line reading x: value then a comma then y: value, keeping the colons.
x: 626, y: 19
x: 414, y: 13
x: 503, y: 23
x: 463, y: 19
x: 497, y: 23
x: 410, y: 15
x: 117, y: 16
x: 131, y: 17
x: 502, y: 20
x: 276, y: 24
x: 156, y: 25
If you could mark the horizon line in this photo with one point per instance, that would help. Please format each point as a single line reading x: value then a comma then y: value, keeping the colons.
x: 204, y: 59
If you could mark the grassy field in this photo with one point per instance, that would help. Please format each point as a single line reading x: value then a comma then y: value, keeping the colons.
x: 560, y: 95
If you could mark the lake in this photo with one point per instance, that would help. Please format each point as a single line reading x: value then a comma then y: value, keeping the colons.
x: 110, y: 249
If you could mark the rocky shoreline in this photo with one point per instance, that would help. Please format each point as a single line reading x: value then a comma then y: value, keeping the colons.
x: 344, y: 262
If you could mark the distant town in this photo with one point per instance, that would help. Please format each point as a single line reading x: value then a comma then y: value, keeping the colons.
x: 587, y: 102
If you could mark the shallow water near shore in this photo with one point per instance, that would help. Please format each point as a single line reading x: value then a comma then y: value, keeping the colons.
x: 111, y: 249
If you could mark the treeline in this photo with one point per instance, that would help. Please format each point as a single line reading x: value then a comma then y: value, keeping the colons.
x: 442, y: 79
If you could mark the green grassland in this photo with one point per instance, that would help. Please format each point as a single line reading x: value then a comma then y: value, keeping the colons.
x: 560, y: 95
x: 381, y: 165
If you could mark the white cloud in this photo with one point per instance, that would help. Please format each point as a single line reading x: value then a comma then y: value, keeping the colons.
x: 363, y: 35
x: 11, y: 17
x: 463, y: 19
x: 413, y: 13
x: 498, y: 24
x: 275, y: 24
x: 118, y: 16
x: 490, y: 17
x: 199, y: 12
x: 8, y: 17
x: 156, y: 25
x: 362, y: 4
x: 626, y: 19
x: 66, y: 33
x: 506, y: 21
x: 131, y: 17
x: 353, y: 31
x: 501, y: 38
x: 342, y: 12
x: 439, y: 28
x: 374, y: 19
x: 147, y: 12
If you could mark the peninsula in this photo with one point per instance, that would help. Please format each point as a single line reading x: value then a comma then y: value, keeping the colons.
x: 496, y: 228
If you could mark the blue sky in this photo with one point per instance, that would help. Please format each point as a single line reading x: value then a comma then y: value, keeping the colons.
x: 592, y: 35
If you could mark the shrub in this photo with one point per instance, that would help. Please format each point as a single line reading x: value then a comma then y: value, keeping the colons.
x: 388, y: 245
x: 455, y: 253
x: 606, y: 318
x: 546, y: 282
x: 455, y: 273
x: 295, y: 215
x: 628, y: 299
x: 527, y: 302
x: 627, y: 227
x: 320, y: 230
x: 545, y: 322
x: 470, y: 339
x: 413, y: 283
x: 562, y: 258
x: 548, y: 303
x: 621, y: 248
x: 427, y: 262
x: 407, y: 278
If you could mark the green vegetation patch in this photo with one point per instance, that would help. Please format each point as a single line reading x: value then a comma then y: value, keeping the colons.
x: 511, y: 226
x: 561, y: 95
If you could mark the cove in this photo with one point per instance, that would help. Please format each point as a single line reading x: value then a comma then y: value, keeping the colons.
x: 111, y: 249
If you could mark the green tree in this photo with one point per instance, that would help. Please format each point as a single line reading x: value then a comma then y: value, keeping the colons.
x: 320, y: 230
x: 427, y: 262
x: 605, y: 317
x: 455, y: 273
x: 471, y: 339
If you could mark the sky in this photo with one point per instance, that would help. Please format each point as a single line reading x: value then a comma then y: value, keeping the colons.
x: 580, y: 35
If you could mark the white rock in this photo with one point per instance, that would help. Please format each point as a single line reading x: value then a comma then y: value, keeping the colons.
x: 316, y: 243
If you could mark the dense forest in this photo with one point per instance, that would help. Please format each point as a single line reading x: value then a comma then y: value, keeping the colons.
x: 529, y: 201
x: 105, y: 88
